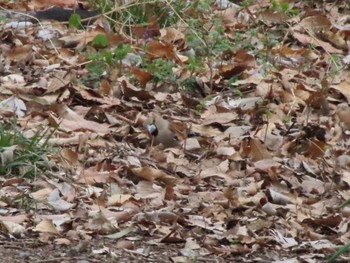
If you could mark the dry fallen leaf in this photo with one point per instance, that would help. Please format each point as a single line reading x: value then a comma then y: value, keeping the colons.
x: 258, y: 151
x: 46, y: 226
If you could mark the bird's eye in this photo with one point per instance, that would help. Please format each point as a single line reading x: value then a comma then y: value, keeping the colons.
x: 152, y: 129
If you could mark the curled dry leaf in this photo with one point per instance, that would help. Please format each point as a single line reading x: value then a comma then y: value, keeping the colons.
x: 118, y: 199
x: 171, y: 35
x: 277, y: 198
x: 14, y: 104
x: 7, y: 154
x: 142, y: 76
x: 121, y: 233
x: 71, y: 121
x: 330, y: 221
x: 125, y: 244
x: 162, y: 50
x: 19, y: 53
x: 269, y: 17
x: 130, y: 91
x: 69, y: 156
x: 148, y: 173
x: 258, y: 151
x: 42, y: 194
x: 226, y: 151
x: 46, y: 226
x: 62, y: 241
x: 192, y: 144
x: 286, y: 242
x: 11, y: 228
x: 99, y: 223
x: 18, y: 219
x: 269, y: 209
x: 222, y: 118
x: 57, y: 202
x: 93, y: 176
x: 157, y: 217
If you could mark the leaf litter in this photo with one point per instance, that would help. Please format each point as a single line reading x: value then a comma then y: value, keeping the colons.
x: 249, y: 159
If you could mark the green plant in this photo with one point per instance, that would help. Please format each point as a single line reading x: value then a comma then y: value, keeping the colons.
x: 162, y: 70
x: 339, y: 252
x: 104, y: 6
x: 101, y: 63
x: 75, y: 21
x: 246, y: 3
x: 238, y: 92
x: 286, y: 119
x: 96, y: 70
x: 232, y: 80
x: 22, y: 201
x: 201, y: 105
x: 194, y: 64
x: 334, y: 65
x: 189, y: 84
x: 208, y: 41
x: 234, y: 242
x: 3, y: 18
x: 139, y: 13
x: 21, y: 155
x: 120, y: 53
x: 26, y: 201
x: 100, y: 41
x: 284, y: 8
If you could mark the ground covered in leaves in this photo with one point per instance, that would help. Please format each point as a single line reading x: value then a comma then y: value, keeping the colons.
x: 175, y: 131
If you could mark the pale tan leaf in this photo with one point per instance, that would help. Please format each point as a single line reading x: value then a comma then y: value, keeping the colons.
x: 220, y: 118
x: 258, y: 151
x: 11, y: 228
x: 42, y: 194
x: 118, y: 199
x: 46, y: 226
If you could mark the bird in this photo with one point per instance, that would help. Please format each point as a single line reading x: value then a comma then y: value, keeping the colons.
x: 165, y: 132
x: 343, y: 113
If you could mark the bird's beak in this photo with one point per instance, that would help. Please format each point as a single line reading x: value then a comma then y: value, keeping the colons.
x: 152, y: 129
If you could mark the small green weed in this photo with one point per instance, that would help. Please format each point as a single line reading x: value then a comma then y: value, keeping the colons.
x: 335, y: 65
x: 284, y: 8
x: 234, y: 242
x: 100, y: 41
x: 337, y: 254
x: 2, y: 18
x: 22, y: 156
x: 232, y: 80
x: 162, y: 71
x: 75, y: 21
x: 201, y: 105
x: 238, y: 93
x: 189, y: 84
x: 208, y: 40
x: 246, y: 3
x: 140, y: 13
x: 194, y: 64
x: 101, y: 63
x: 21, y: 201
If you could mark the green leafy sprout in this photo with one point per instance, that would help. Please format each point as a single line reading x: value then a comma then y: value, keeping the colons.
x: 21, y: 155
